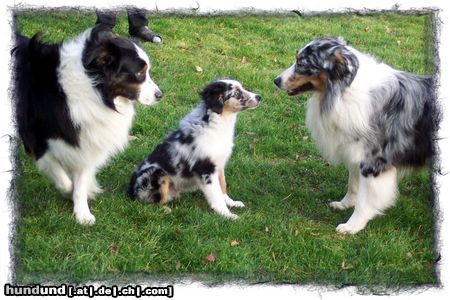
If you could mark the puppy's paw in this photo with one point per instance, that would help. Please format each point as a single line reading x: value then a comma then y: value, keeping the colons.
x: 231, y: 216
x: 231, y: 203
x: 166, y: 209
x: 373, y: 166
x: 85, y: 217
x: 238, y: 204
x: 226, y: 213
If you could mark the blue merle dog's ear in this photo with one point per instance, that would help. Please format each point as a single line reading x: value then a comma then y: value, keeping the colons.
x: 341, y: 64
x: 213, y: 95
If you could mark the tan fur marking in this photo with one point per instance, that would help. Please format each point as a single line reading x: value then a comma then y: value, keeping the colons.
x: 164, y: 190
x: 297, y: 80
x: 223, y: 184
x: 339, y: 58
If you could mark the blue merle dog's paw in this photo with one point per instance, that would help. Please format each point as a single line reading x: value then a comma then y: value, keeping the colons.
x: 373, y: 166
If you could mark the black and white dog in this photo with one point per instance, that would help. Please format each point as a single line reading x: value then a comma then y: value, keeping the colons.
x: 376, y: 120
x: 194, y: 156
x: 73, y: 105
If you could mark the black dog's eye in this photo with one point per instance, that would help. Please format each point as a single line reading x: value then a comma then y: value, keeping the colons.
x: 141, y: 73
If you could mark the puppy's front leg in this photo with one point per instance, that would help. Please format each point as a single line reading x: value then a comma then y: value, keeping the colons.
x: 223, y: 185
x: 210, y: 186
x: 82, y: 182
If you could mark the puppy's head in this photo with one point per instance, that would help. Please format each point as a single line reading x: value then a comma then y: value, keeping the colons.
x: 323, y: 65
x: 228, y: 96
x: 119, y: 68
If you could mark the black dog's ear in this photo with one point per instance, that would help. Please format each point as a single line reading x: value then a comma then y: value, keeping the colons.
x: 101, y: 50
x: 101, y: 56
x: 213, y: 95
x: 101, y: 32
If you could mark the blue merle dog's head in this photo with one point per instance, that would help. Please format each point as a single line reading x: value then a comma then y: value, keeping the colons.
x: 326, y: 65
x: 228, y: 96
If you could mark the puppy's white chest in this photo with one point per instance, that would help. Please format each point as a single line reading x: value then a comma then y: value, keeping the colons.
x: 217, y: 145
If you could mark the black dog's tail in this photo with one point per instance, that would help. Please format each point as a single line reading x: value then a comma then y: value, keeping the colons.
x: 20, y: 44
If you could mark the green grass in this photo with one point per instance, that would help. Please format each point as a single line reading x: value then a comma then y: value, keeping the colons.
x: 275, y: 169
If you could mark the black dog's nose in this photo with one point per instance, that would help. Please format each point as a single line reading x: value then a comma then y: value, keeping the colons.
x: 158, y: 95
x: 277, y: 81
x: 258, y: 98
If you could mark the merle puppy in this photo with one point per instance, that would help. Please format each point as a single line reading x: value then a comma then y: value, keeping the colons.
x: 195, y: 155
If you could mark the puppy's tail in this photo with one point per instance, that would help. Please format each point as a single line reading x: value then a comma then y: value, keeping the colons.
x: 145, y: 184
x: 132, y: 186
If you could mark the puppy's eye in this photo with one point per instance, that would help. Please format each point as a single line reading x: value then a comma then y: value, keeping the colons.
x: 238, y: 94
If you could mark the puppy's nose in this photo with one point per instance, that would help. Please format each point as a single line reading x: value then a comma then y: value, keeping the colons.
x: 277, y: 81
x: 158, y: 95
x: 258, y: 98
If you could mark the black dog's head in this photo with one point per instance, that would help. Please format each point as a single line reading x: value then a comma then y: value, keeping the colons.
x: 325, y: 65
x: 119, y: 67
x: 228, y: 96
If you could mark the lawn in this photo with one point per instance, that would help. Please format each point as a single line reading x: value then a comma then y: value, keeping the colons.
x: 286, y: 232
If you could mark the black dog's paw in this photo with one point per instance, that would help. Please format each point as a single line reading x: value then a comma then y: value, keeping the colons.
x: 373, y: 166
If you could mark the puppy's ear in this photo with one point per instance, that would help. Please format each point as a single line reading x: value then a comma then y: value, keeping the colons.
x: 213, y: 95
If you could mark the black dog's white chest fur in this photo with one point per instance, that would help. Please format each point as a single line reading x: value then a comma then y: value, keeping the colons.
x: 195, y: 155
